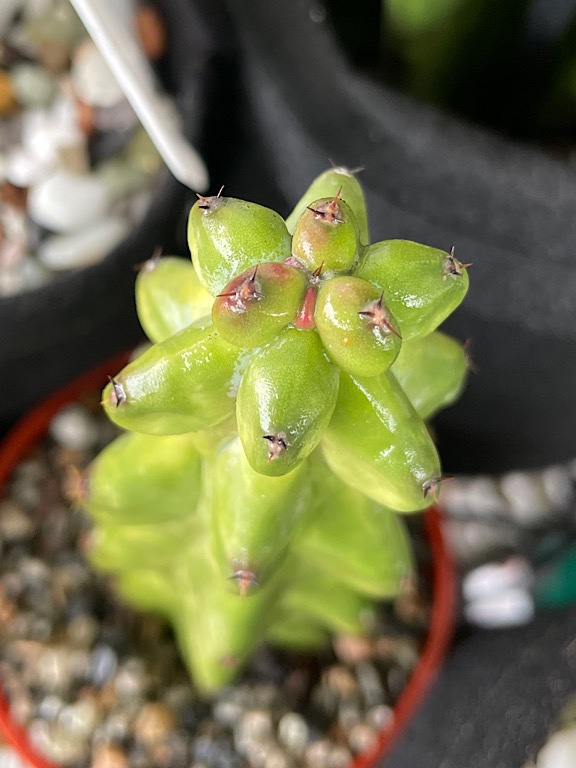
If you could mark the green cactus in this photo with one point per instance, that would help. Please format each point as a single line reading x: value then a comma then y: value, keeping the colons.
x: 275, y: 426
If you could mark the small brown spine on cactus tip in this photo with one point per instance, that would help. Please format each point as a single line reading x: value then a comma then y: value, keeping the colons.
x: 245, y: 580
x: 378, y: 316
x: 277, y: 444
x: 117, y: 393
x: 211, y: 203
x: 454, y: 267
x: 431, y: 486
x: 329, y: 212
x: 246, y: 291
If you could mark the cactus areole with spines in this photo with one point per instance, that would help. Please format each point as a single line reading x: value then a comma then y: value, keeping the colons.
x: 275, y: 426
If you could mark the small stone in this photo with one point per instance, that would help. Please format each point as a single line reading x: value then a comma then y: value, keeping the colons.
x: 558, y: 487
x: 510, y: 608
x: 494, y: 578
x: 92, y: 79
x: 317, y: 754
x: 53, y: 669
x: 82, y: 630
x: 339, y: 757
x: 362, y: 737
x: 23, y: 168
x: 81, y: 249
x: 370, y: 684
x: 153, y: 723
x: 131, y: 680
x: 341, y: 681
x: 255, y: 725
x: 380, y: 716
x: 559, y: 751
x: 67, y: 202
x: 73, y: 427
x: 109, y: 756
x: 33, y: 86
x: 526, y: 500
x: 45, y: 131
x: 293, y: 732
x: 352, y: 649
x: 15, y: 525
x: 77, y: 721
x: 103, y: 665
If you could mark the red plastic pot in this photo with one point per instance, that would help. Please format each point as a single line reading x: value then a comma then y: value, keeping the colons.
x: 33, y: 427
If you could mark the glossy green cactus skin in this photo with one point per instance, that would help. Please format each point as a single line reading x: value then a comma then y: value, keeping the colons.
x: 421, y: 285
x: 169, y: 297
x: 275, y: 430
x: 227, y: 236
x: 326, y: 237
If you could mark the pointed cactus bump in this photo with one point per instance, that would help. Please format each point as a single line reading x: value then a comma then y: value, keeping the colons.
x: 169, y: 297
x: 257, y: 304
x: 285, y: 401
x: 330, y: 183
x: 355, y: 327
x: 227, y: 236
x: 421, y: 285
x: 327, y: 237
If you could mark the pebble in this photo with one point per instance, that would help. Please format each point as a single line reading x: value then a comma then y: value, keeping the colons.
x: 559, y: 751
x: 67, y: 202
x: 293, y: 732
x: 15, y: 525
x: 92, y: 79
x: 33, y: 85
x: 153, y: 723
x: 511, y: 607
x: 495, y: 578
x: 81, y: 249
x: 109, y: 756
x: 72, y: 427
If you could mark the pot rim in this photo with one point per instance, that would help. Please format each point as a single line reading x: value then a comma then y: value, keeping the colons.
x: 34, y: 425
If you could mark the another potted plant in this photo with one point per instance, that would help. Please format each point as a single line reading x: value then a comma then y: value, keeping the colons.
x: 277, y: 431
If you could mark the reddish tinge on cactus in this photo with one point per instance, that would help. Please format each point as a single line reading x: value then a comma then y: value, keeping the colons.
x: 276, y: 425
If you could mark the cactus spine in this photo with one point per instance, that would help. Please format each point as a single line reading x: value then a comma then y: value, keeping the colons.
x: 275, y: 426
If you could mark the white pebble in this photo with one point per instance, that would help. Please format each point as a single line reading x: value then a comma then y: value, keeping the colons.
x: 494, y: 578
x: 525, y: 497
x: 559, y: 751
x: 508, y: 609
x: 92, y: 79
x: 73, y: 427
x: 80, y: 249
x: 9, y: 759
x: 33, y: 86
x: 68, y: 202
x: 45, y: 131
x: 23, y: 168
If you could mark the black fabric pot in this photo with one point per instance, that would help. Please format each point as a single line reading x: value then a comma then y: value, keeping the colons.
x: 50, y: 335
x: 505, y: 207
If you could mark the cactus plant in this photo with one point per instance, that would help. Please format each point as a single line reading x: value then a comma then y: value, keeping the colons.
x: 275, y: 426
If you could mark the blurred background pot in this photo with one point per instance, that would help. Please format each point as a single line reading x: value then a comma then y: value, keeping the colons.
x: 52, y: 333
x: 506, y: 206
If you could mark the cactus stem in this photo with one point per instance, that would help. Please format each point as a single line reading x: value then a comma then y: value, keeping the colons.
x: 454, y: 267
x: 305, y: 318
x: 117, y: 394
x: 378, y: 316
x: 277, y: 444
x: 431, y: 486
x: 245, y: 580
x: 247, y: 290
